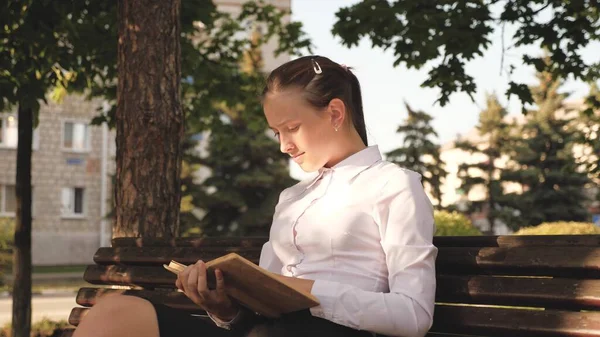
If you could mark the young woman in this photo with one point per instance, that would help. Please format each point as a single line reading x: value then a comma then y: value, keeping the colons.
x: 358, y: 236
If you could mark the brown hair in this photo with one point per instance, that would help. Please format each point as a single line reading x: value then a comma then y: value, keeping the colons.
x: 334, y: 81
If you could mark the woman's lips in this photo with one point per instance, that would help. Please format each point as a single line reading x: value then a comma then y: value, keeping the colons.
x: 298, y: 157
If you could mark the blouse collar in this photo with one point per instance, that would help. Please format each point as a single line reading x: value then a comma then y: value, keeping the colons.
x: 352, y: 166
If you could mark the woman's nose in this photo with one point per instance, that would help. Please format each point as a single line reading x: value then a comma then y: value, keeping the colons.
x: 285, y: 145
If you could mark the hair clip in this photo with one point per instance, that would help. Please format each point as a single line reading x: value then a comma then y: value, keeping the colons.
x: 316, y: 67
x: 345, y: 67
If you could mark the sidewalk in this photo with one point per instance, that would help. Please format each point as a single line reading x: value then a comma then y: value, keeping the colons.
x: 54, y: 282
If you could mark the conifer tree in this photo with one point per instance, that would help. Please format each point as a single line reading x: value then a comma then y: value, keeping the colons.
x: 419, y: 152
x: 544, y: 163
x: 494, y: 131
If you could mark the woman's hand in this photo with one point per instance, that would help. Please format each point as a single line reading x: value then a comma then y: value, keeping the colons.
x: 192, y: 281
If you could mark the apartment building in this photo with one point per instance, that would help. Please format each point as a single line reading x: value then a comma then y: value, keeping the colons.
x: 70, y: 178
x: 72, y: 166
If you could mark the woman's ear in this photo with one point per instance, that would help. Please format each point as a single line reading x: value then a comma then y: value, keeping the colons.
x: 337, y: 112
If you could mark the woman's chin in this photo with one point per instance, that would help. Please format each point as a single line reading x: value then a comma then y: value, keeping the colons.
x: 308, y: 167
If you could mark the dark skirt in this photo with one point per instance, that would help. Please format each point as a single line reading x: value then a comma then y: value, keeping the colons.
x: 177, y: 323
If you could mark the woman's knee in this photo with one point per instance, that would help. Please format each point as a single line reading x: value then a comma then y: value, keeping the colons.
x: 121, y: 303
x: 119, y: 315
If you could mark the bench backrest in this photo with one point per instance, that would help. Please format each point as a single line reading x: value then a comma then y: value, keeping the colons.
x: 486, y: 285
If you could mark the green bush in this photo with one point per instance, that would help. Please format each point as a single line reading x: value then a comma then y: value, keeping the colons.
x: 7, y: 229
x: 453, y: 224
x: 7, y: 233
x: 42, y: 328
x: 560, y: 228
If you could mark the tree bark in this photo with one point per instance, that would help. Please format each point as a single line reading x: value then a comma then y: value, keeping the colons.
x: 21, y: 310
x: 149, y: 119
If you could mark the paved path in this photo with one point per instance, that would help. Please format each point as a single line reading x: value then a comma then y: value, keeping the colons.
x: 55, y: 307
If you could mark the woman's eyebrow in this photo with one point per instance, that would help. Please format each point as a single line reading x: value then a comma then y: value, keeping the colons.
x: 280, y: 124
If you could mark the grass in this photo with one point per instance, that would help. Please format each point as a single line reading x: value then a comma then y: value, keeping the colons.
x: 43, y: 328
x: 59, y: 269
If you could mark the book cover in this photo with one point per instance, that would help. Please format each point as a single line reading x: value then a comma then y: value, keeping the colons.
x: 253, y: 287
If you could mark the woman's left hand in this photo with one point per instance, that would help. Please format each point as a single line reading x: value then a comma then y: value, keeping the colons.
x: 193, y: 282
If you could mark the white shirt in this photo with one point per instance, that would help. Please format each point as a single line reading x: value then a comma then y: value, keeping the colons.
x: 363, y: 231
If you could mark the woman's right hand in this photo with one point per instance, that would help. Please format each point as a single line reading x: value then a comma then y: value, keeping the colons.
x: 192, y: 281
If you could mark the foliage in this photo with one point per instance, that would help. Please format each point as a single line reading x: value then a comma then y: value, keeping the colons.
x: 7, y: 233
x: 213, y: 47
x: 247, y: 169
x: 445, y: 35
x: 589, y: 135
x: 64, y: 53
x: 560, y: 228
x: 453, y: 224
x: 42, y: 328
x: 494, y: 131
x: 419, y: 153
x: 76, y: 50
x: 543, y: 163
x: 7, y: 236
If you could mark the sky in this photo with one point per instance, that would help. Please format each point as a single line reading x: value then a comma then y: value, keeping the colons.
x: 385, y: 88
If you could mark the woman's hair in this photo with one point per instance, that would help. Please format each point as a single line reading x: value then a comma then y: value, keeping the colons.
x: 321, y: 80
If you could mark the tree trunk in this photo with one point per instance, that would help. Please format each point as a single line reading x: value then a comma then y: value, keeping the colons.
x: 149, y: 119
x: 21, y: 311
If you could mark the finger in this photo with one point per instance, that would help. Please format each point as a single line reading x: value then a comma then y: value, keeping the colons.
x: 190, y: 285
x: 178, y: 284
x: 220, y: 284
x: 182, y: 277
x: 199, y: 298
x: 202, y: 286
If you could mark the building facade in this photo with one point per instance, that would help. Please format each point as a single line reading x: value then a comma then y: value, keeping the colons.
x: 72, y: 167
x: 70, y: 178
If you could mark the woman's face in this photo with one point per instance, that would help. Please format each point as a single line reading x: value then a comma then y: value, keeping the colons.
x: 305, y: 133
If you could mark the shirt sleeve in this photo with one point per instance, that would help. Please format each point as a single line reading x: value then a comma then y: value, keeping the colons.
x: 405, y: 218
x: 225, y: 324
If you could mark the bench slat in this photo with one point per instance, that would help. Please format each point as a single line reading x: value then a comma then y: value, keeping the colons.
x: 554, y: 293
x: 538, y: 292
x: 164, y: 255
x: 438, y: 241
x: 143, y: 276
x: 558, y: 261
x: 531, y: 261
x: 515, y: 322
x: 246, y: 242
x: 88, y: 297
x: 77, y: 314
x: 507, y: 241
x: 491, y: 322
x: 67, y: 332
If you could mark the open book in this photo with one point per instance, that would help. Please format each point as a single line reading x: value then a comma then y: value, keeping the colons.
x: 253, y: 287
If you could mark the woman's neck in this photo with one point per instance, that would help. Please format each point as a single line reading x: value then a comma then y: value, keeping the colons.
x: 347, y: 145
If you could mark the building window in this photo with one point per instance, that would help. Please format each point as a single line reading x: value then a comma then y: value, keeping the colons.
x: 72, y: 201
x: 8, y: 200
x: 8, y: 131
x: 76, y: 137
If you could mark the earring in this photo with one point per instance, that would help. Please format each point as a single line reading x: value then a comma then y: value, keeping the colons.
x: 335, y: 128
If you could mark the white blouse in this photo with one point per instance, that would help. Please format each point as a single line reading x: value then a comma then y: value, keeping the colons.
x: 363, y: 231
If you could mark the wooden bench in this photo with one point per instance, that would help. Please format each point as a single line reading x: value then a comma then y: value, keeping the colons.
x: 486, y: 285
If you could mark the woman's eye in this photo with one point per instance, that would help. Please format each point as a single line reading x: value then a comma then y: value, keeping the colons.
x: 276, y: 134
x: 295, y: 128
